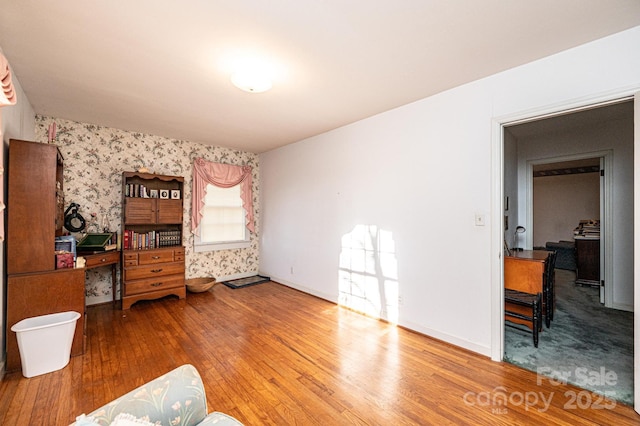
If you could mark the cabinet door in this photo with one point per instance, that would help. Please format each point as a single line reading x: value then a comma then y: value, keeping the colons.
x: 139, y: 211
x: 31, y: 207
x: 588, y: 259
x: 169, y: 211
x: 30, y: 295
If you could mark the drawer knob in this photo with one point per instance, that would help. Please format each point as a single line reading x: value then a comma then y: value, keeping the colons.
x: 156, y: 284
x: 155, y: 257
x: 103, y: 260
x: 156, y: 270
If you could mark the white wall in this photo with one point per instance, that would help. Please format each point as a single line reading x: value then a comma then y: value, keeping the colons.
x: 17, y: 122
x: 561, y: 202
x: 421, y: 173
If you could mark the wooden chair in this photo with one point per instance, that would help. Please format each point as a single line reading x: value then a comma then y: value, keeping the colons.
x: 549, y: 295
x: 524, y: 308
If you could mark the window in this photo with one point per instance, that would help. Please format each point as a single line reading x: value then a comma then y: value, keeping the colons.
x: 223, y: 223
x: 223, y: 216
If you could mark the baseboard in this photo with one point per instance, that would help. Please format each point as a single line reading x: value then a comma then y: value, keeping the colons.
x: 99, y: 300
x: 237, y: 276
x: 304, y: 289
x: 447, y: 338
x: 623, y: 306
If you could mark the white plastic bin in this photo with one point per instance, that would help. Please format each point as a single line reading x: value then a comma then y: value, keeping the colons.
x: 45, y: 342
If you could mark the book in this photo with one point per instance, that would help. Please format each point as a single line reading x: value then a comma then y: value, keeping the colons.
x: 95, y: 242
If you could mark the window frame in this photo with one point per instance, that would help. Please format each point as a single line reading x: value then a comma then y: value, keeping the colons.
x: 200, y: 246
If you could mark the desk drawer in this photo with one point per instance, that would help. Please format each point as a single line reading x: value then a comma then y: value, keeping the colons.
x: 130, y: 259
x: 150, y: 271
x: 153, y: 284
x: 108, y: 258
x: 178, y: 254
x: 156, y: 256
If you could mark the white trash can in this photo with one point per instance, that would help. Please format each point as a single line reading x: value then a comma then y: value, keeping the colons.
x: 45, y: 342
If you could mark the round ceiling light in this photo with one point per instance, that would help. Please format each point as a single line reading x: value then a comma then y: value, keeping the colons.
x: 252, y: 80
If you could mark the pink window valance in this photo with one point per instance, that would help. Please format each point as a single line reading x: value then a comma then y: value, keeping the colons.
x: 7, y: 97
x: 8, y: 93
x: 225, y: 176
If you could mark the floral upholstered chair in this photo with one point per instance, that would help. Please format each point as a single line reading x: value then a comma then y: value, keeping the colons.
x: 176, y: 398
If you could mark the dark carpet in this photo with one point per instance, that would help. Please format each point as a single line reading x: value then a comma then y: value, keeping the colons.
x: 246, y: 282
x: 587, y: 344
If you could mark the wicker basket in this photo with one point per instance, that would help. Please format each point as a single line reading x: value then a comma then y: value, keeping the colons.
x: 199, y: 285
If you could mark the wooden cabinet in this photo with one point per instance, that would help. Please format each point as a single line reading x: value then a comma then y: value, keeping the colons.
x: 35, y: 210
x: 41, y: 293
x: 34, y: 206
x: 153, y: 273
x: 142, y: 211
x: 152, y: 251
x: 588, y: 261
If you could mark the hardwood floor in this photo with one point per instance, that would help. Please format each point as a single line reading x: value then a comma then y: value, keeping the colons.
x: 270, y: 355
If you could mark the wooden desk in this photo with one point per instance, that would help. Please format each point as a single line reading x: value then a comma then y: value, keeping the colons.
x: 96, y: 260
x: 524, y: 270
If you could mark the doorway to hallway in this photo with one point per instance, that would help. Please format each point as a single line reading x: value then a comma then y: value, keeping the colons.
x: 526, y: 148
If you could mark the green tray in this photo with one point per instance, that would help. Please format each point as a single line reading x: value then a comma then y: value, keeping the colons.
x: 94, y: 242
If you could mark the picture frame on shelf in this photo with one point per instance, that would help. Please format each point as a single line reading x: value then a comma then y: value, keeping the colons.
x: 175, y: 194
x: 164, y: 194
x: 153, y: 193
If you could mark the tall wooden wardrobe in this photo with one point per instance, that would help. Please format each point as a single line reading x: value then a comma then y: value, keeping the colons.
x: 35, y: 215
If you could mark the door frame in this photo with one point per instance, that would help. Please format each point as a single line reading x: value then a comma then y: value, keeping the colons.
x: 606, y: 206
x: 497, y: 212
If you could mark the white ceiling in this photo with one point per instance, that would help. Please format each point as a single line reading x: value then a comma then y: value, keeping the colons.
x: 589, y: 117
x: 159, y: 67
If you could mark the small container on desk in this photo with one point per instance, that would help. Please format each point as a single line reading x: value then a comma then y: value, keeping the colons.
x: 64, y: 260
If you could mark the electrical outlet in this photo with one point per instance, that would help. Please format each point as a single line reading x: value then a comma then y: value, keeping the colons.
x: 292, y: 270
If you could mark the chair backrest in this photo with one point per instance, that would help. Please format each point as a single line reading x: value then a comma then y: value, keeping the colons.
x: 550, y: 267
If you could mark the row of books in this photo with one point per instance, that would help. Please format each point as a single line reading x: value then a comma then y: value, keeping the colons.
x: 132, y: 240
x: 140, y: 191
x: 588, y: 228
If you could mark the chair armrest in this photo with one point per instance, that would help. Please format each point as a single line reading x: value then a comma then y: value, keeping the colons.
x: 177, y: 397
x: 219, y: 419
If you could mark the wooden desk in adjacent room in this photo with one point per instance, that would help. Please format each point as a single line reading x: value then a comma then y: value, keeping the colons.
x: 524, y: 270
x: 96, y: 260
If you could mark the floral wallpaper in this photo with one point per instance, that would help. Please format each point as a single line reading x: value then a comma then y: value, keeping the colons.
x: 94, y: 159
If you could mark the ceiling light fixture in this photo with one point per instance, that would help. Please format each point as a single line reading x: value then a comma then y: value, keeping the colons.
x: 252, y: 73
x: 252, y: 81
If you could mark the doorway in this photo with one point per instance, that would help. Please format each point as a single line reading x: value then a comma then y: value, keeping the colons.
x: 571, y: 137
x: 569, y: 210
